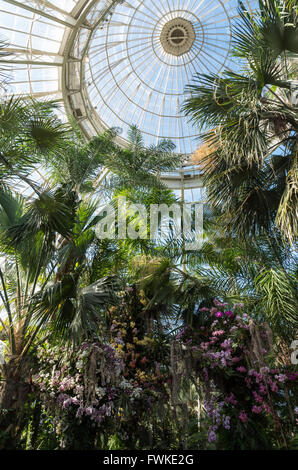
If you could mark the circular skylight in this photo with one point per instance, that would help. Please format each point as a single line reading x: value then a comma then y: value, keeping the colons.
x: 177, y: 36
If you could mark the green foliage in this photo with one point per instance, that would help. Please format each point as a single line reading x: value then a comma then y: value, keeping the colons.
x: 29, y: 130
x: 61, y: 284
x: 135, y: 165
x: 250, y: 169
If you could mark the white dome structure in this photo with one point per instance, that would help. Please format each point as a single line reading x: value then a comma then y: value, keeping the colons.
x: 112, y: 63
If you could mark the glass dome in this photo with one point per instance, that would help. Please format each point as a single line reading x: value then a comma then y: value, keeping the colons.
x: 113, y: 63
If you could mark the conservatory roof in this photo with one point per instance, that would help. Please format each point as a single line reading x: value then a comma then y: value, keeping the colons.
x: 113, y: 63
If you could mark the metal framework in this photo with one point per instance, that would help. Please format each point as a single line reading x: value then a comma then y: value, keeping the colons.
x: 106, y: 61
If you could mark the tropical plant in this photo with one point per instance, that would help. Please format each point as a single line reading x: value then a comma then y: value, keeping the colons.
x: 29, y: 130
x: 54, y: 277
x: 105, y: 310
x: 260, y: 273
x: 47, y: 252
x: 136, y: 165
x: 239, y: 384
x: 250, y: 169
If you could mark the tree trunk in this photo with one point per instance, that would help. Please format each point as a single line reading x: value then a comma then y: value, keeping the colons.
x: 13, y: 393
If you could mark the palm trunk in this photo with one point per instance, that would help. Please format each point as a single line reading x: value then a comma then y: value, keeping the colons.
x: 13, y: 394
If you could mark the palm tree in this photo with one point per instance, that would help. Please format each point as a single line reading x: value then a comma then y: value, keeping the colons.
x: 132, y: 173
x: 56, y: 279
x: 76, y: 164
x: 47, y: 246
x: 136, y: 165
x: 29, y: 131
x: 45, y: 249
x: 260, y: 273
x: 251, y: 168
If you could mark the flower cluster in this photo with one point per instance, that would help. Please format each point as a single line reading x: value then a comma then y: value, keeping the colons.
x: 87, y: 381
x: 231, y: 354
x: 214, y: 410
x: 96, y: 379
x: 136, y: 346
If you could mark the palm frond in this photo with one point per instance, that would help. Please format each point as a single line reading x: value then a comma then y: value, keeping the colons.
x: 48, y: 213
x: 280, y: 295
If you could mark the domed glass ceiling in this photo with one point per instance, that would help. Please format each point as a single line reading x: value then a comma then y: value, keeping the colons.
x: 113, y: 63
